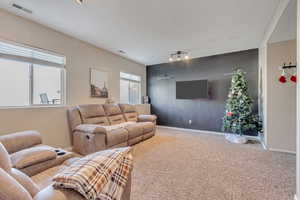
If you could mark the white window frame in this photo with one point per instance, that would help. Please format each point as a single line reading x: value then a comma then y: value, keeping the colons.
x: 133, y: 80
x: 31, y: 61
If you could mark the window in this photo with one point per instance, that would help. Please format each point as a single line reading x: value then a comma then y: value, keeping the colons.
x: 130, y: 88
x: 47, y: 85
x: 14, y: 83
x: 30, y: 77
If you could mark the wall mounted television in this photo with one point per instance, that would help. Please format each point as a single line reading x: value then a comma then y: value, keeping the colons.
x: 192, y: 89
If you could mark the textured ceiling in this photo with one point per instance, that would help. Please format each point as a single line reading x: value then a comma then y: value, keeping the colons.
x: 286, y: 28
x: 149, y: 30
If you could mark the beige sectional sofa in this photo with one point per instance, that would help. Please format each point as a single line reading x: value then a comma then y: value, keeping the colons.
x: 96, y: 127
x: 15, y: 184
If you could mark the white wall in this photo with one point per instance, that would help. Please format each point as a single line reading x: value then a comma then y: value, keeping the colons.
x: 52, y: 122
x: 298, y: 101
x: 281, y: 101
x: 262, y: 91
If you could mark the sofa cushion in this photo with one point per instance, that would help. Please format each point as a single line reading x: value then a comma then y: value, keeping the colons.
x: 50, y: 193
x: 112, y: 109
x: 91, y: 110
x: 147, y: 126
x: 93, y: 114
x: 148, y: 135
x: 127, y: 108
x: 74, y: 117
x: 33, y: 155
x: 135, y: 130
x: 17, y: 141
x: 116, y: 126
x: 103, y: 121
x: 11, y: 189
x: 116, y: 119
x: 21, y: 178
x: 116, y: 136
x: 91, y: 128
x: 25, y: 181
x: 42, y: 166
x: 5, y: 162
x: 131, y: 117
x: 135, y: 140
x: 147, y: 118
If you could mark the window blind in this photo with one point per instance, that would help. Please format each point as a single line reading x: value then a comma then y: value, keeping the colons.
x: 30, y: 55
x: 130, y: 77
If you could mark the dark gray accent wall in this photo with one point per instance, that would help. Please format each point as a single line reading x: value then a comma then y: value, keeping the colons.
x: 206, y: 114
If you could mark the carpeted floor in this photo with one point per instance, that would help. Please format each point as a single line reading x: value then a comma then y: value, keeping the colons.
x: 176, y: 165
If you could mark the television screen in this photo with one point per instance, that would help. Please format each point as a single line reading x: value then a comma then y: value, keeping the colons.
x: 192, y: 89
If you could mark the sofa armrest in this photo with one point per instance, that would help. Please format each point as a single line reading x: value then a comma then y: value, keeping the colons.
x: 50, y: 193
x: 91, y: 128
x: 147, y: 118
x: 14, y: 142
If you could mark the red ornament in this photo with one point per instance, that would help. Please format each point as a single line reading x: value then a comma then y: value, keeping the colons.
x: 282, y: 79
x: 294, y: 78
x: 229, y: 114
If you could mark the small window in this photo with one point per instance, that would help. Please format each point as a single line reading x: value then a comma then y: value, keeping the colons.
x: 14, y: 83
x: 30, y: 76
x: 130, y: 88
x: 47, y: 85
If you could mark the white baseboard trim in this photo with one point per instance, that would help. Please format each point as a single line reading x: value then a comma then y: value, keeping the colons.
x: 205, y: 132
x: 281, y: 150
x: 257, y: 138
x: 263, y: 144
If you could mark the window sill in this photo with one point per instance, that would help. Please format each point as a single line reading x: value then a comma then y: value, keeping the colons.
x: 32, y: 107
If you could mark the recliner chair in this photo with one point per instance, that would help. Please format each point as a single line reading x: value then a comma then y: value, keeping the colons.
x: 15, y: 185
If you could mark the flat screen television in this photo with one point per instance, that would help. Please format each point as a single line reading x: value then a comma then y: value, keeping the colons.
x: 192, y: 89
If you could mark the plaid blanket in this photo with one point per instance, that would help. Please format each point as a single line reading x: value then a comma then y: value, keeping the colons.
x: 99, y: 176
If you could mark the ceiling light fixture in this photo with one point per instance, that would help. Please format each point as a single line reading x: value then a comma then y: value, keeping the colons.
x: 79, y: 1
x: 179, y: 55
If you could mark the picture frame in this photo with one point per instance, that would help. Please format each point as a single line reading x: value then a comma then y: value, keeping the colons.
x: 99, y: 83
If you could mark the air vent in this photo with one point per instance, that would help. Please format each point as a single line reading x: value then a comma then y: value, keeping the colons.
x: 22, y: 8
x: 122, y: 52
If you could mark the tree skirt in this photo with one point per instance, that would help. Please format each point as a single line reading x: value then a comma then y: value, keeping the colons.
x: 236, y: 139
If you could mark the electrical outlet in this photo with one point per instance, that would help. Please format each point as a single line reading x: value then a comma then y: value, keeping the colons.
x: 190, y: 121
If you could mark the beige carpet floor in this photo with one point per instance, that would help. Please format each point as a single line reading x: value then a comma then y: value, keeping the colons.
x: 177, y: 165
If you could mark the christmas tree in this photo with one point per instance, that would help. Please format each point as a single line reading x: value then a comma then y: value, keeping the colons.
x: 239, y: 117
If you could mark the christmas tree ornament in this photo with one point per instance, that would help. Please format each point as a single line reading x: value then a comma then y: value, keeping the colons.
x: 294, y: 76
x: 229, y: 114
x: 282, y: 78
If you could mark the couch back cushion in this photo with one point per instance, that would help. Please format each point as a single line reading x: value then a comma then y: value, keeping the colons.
x: 129, y: 112
x: 10, y: 188
x: 93, y: 114
x: 18, y: 176
x: 25, y: 181
x: 74, y: 118
x: 114, y: 114
x: 32, y: 156
x: 14, y: 142
x: 5, y: 162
